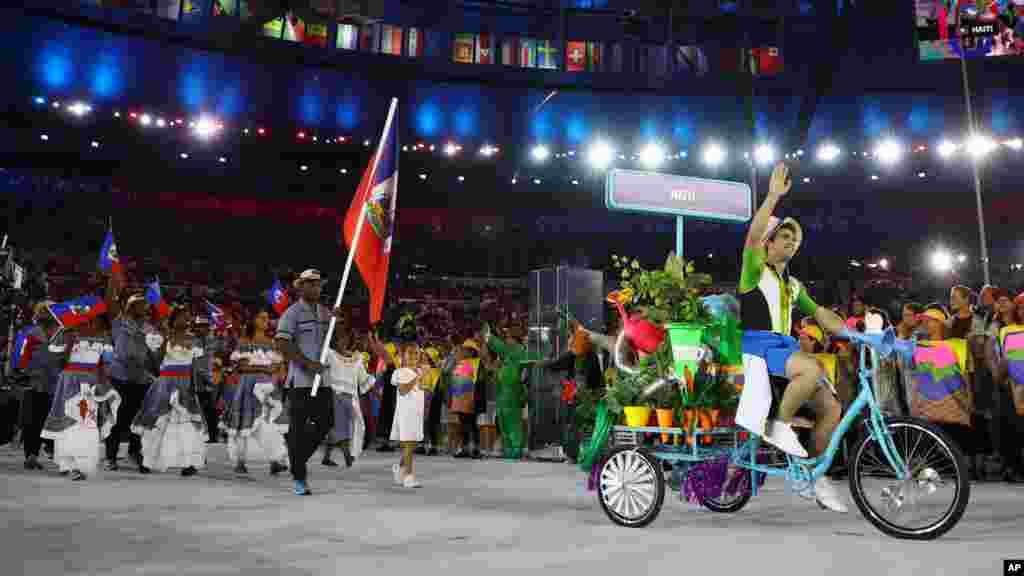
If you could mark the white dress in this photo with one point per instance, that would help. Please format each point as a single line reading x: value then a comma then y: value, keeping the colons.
x: 176, y: 441
x: 407, y: 425
x: 348, y: 375
x: 265, y: 443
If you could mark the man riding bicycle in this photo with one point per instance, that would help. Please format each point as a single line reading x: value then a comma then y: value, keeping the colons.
x: 768, y: 295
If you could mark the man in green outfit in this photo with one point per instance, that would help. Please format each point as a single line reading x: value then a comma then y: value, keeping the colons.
x: 768, y: 295
x: 511, y: 395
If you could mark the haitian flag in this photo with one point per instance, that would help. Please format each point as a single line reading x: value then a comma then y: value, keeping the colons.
x: 155, y: 298
x: 78, y: 311
x: 109, y: 261
x: 25, y: 343
x: 277, y: 297
x: 377, y: 194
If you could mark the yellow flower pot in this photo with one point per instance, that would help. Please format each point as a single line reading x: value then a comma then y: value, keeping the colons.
x: 637, y: 416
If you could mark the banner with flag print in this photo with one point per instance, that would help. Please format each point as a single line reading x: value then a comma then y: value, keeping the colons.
x: 527, y: 52
x: 547, y: 55
x: 26, y: 341
x: 510, y: 51
x: 575, y: 56
x: 277, y: 297
x: 391, y: 40
x: 348, y: 37
x: 414, y: 43
x: 378, y: 195
x: 155, y: 298
x: 463, y: 47
x: 78, y: 311
x: 484, y: 48
x: 109, y: 260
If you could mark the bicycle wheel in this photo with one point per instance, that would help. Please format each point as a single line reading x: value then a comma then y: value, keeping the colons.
x: 631, y: 487
x: 936, y: 489
x: 735, y: 494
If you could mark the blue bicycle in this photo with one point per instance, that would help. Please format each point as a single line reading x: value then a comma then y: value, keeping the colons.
x: 907, y: 477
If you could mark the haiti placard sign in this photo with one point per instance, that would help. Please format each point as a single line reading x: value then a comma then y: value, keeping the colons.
x: 667, y: 194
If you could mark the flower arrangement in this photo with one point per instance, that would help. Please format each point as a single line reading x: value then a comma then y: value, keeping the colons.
x: 669, y: 295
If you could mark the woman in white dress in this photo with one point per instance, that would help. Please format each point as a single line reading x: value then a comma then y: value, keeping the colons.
x: 171, y: 421
x: 253, y: 402
x: 348, y: 378
x: 85, y: 405
x: 407, y: 426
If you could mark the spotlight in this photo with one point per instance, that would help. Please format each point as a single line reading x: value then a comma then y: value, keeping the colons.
x: 807, y: 180
x: 514, y: 180
x: 160, y: 123
x: 942, y: 261
x: 961, y: 258
x: 800, y: 152
x: 40, y: 100
x: 315, y: 139
x: 261, y: 131
x: 117, y: 114
x: 79, y: 109
x: 828, y: 153
x: 714, y: 154
x: 536, y: 180
x: 432, y: 148
x: 423, y: 176
x: 451, y: 149
x: 946, y: 148
x: 304, y: 168
x: 56, y: 105
x: 366, y: 143
x: 764, y: 155
x: 874, y: 176
x: 487, y: 150
x: 575, y: 182
x: 572, y: 153
x: 889, y: 152
x: 979, y: 146
x: 205, y: 127
x: 343, y: 171
x: 94, y: 144
x: 462, y: 178
x: 145, y: 119
x: 222, y: 160
x: 301, y: 135
x: 883, y: 264
x: 44, y: 138
x: 1014, y: 144
x: 405, y: 148
x: 652, y: 155
x: 600, y: 155
x: 183, y: 156
x: 540, y: 153
x: 246, y: 131
x: 921, y: 175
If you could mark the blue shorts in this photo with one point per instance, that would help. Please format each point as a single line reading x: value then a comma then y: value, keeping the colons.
x: 773, y: 347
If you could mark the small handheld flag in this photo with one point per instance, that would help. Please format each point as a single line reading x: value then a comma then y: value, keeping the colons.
x: 155, y: 298
x: 109, y: 260
x: 25, y: 343
x: 78, y: 311
x: 277, y: 297
x: 217, y: 319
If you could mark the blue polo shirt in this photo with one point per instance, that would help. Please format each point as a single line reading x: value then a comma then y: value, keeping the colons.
x: 306, y: 326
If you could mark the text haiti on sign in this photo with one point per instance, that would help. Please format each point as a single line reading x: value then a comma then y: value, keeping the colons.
x: 656, y: 193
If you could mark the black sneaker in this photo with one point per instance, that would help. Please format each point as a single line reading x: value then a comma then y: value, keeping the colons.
x: 144, y: 470
x: 348, y: 458
x: 32, y: 464
x: 240, y: 469
x: 65, y: 472
x: 433, y: 452
x: 189, y: 471
x: 420, y: 450
x: 276, y: 468
x: 476, y: 455
x: 461, y: 454
x: 77, y: 476
x: 111, y: 466
x: 385, y: 448
x: 329, y: 463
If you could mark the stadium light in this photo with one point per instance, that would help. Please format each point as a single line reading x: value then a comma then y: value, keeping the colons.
x: 600, y: 155
x: 889, y: 152
x: 979, y: 146
x: 540, y: 153
x: 652, y: 155
x: 942, y: 260
x: 764, y: 155
x: 714, y: 154
x: 828, y: 153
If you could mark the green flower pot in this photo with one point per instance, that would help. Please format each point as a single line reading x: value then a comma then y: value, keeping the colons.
x: 685, y: 340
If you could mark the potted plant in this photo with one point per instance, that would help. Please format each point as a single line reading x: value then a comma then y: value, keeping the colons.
x: 666, y: 400
x: 626, y: 395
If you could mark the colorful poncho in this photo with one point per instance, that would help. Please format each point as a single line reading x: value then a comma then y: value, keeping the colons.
x: 1011, y: 342
x: 939, y: 382
x: 462, y: 385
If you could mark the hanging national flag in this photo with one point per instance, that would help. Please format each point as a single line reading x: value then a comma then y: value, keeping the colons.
x: 155, y: 298
x: 277, y: 297
x: 575, y: 56
x: 765, y: 61
x: 484, y: 48
x: 547, y: 55
x: 378, y: 192
x: 316, y: 35
x: 510, y: 51
x: 217, y: 318
x: 26, y: 341
x: 414, y: 43
x: 391, y: 40
x: 595, y: 56
x: 368, y: 38
x: 78, y: 311
x: 294, y: 28
x: 109, y: 261
x: 464, y: 45
x: 348, y: 37
x: 528, y: 53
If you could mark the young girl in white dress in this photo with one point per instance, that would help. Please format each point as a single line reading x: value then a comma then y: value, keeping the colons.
x: 84, y: 406
x: 348, y: 378
x: 171, y: 421
x: 407, y: 426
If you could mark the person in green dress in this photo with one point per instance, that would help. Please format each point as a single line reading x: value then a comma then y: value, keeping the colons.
x: 511, y: 396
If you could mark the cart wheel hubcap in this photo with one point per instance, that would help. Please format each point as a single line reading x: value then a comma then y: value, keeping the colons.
x: 627, y: 482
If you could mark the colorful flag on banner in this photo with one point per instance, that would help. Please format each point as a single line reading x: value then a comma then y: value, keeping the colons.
x: 510, y: 51
x: 274, y: 28
x: 78, y: 311
x: 277, y: 297
x: 391, y: 40
x: 414, y: 43
x: 316, y: 35
x: 595, y: 56
x: 368, y: 38
x: 575, y: 56
x: 193, y: 10
x: 464, y: 45
x: 294, y: 28
x: 765, y: 61
x: 378, y: 192
x: 109, y: 260
x: 348, y: 37
x: 527, y: 52
x: 691, y: 60
x: 484, y: 48
x: 547, y: 55
x: 155, y: 298
x: 217, y: 318
x: 26, y: 341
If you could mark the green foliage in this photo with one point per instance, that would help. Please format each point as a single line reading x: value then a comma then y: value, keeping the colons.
x: 669, y: 295
x: 586, y: 410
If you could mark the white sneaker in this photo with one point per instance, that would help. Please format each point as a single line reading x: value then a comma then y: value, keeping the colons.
x: 410, y: 482
x: 827, y: 495
x: 396, y: 472
x: 781, y: 436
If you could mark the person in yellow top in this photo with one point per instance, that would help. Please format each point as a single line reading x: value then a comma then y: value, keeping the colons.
x: 433, y: 398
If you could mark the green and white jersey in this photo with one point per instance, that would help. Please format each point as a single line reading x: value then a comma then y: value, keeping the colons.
x: 767, y: 298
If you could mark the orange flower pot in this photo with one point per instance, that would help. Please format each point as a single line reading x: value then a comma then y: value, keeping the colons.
x: 664, y: 421
x: 689, y: 424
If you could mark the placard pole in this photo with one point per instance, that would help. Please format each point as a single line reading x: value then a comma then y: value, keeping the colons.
x: 679, y: 236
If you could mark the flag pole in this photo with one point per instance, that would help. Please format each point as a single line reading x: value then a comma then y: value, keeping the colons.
x: 352, y: 248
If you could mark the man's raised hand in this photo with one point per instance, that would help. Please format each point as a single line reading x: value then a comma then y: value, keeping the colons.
x: 780, y: 181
